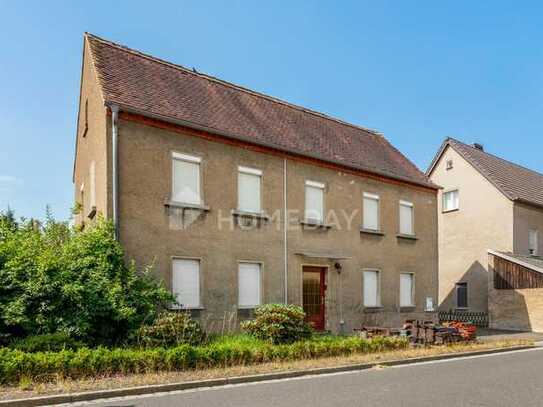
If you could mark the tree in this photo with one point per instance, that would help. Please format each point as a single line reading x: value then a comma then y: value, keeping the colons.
x: 54, y: 278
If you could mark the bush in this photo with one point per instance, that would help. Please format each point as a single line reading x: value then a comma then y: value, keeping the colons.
x: 47, y: 343
x: 230, y: 351
x: 171, y: 329
x: 278, y: 323
x: 54, y: 278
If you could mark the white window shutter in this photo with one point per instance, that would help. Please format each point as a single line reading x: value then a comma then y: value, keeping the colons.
x: 406, y: 290
x: 186, y: 182
x: 314, y: 205
x: 249, y: 192
x: 371, y: 213
x: 406, y: 218
x: 186, y: 282
x: 371, y: 288
x: 249, y: 277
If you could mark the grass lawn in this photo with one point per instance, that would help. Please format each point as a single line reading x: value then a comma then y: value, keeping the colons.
x: 59, y: 384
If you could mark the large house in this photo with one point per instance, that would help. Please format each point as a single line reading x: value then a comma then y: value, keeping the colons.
x: 487, y: 206
x: 238, y: 199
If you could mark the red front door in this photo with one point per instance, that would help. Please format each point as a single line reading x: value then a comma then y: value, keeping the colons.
x: 314, y: 290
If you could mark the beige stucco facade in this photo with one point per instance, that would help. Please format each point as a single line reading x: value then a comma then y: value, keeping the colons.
x: 525, y: 218
x: 152, y: 232
x: 486, y: 219
x: 92, y: 145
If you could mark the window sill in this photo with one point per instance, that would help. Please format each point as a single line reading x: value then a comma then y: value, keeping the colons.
x: 245, y: 214
x: 92, y: 213
x: 450, y: 210
x: 407, y: 237
x: 308, y: 223
x: 176, y: 308
x: 372, y: 232
x: 182, y: 205
x: 369, y: 310
x: 249, y: 307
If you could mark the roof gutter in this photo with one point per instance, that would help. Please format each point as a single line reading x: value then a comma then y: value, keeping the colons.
x: 196, y: 126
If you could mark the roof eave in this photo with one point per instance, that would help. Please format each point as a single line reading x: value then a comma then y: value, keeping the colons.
x: 529, y: 203
x: 196, y: 126
x: 438, y: 155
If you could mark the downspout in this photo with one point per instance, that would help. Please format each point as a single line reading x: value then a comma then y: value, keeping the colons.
x: 285, y: 226
x: 115, y: 181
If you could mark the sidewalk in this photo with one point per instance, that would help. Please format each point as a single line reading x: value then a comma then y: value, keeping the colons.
x: 488, y: 335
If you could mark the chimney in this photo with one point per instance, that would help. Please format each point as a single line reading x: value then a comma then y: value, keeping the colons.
x: 478, y: 146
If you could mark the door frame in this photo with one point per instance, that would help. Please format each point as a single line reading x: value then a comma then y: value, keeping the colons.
x: 325, y: 268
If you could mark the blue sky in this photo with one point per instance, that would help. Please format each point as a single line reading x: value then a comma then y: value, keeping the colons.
x: 416, y: 71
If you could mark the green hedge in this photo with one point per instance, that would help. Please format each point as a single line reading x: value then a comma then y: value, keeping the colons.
x: 45, y: 366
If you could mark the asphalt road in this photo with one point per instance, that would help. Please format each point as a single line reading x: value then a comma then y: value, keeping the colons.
x: 512, y: 379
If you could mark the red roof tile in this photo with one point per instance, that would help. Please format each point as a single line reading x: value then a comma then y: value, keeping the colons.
x: 152, y: 86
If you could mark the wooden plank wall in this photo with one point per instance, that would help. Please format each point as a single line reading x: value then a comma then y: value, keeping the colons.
x: 510, y: 276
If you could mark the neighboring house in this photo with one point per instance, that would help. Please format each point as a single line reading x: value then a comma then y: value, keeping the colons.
x: 240, y: 199
x: 486, y: 203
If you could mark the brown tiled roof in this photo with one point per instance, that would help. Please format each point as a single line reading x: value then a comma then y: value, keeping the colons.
x: 150, y: 86
x: 514, y: 181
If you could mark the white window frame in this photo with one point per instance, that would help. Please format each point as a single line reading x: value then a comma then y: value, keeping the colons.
x: 535, y: 251
x: 189, y: 159
x: 410, y: 205
x: 375, y: 197
x: 259, y: 302
x: 199, y: 260
x: 316, y: 185
x: 378, y: 296
x: 412, y: 303
x: 443, y: 200
x: 254, y: 172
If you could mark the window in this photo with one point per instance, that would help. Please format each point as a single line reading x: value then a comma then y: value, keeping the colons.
x: 461, y: 295
x: 533, y: 238
x: 186, y: 179
x: 449, y: 164
x: 92, y: 179
x: 407, y: 290
x: 249, y: 189
x: 314, y: 201
x: 186, y: 282
x: 406, y: 218
x: 371, y: 212
x: 249, y: 276
x: 371, y: 288
x: 450, y: 200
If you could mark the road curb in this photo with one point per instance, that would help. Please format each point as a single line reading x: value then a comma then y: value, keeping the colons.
x: 163, y: 388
